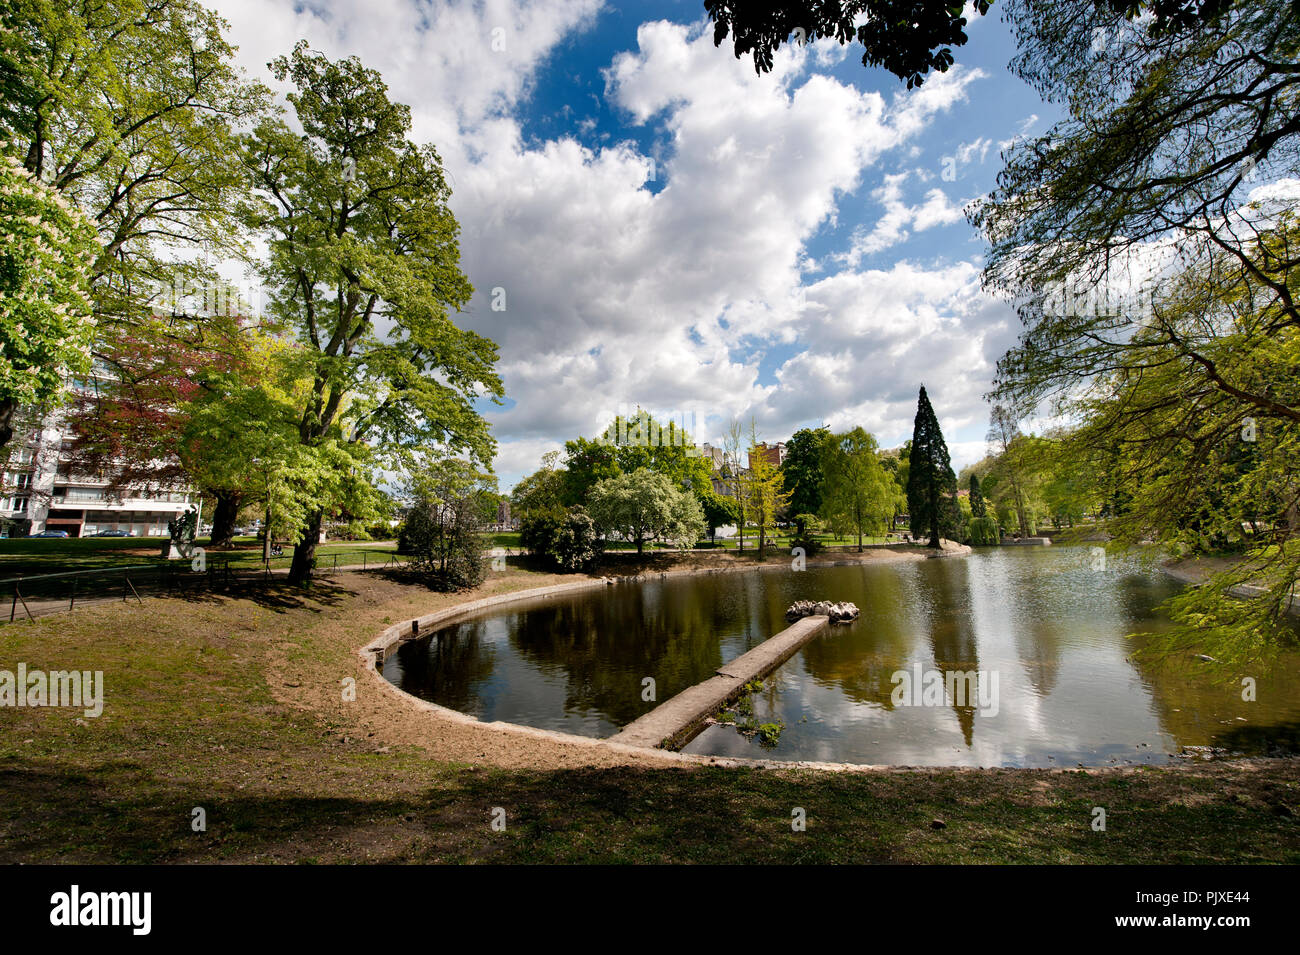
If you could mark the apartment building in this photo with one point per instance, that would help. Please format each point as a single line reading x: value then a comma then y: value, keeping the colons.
x: 42, y: 490
x: 773, y: 454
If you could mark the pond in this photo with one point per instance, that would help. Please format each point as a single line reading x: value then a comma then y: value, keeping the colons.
x: 1037, y: 635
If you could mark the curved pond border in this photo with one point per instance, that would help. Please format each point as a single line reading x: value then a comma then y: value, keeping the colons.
x: 374, y: 653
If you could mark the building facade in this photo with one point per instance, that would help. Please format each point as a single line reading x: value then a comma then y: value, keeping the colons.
x: 42, y: 490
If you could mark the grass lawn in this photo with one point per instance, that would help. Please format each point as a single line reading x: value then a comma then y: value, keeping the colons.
x: 209, y: 704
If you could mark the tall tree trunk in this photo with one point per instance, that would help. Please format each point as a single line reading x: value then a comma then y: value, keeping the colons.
x: 934, y: 516
x: 7, y: 408
x: 223, y: 518
x: 305, y: 552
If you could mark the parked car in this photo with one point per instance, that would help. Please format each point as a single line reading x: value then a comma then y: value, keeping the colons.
x: 51, y: 534
x: 112, y: 533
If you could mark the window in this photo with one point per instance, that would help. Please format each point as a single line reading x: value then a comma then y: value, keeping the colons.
x: 16, y: 504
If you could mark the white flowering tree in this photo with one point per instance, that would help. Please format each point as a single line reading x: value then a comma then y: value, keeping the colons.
x: 645, y: 505
x: 46, y: 319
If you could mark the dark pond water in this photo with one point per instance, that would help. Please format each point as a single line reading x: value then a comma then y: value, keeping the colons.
x: 1040, y: 632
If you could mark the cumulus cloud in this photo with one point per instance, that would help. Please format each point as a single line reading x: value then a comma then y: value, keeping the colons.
x: 695, y: 294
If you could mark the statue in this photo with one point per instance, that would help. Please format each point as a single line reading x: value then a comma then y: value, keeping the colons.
x: 181, y: 530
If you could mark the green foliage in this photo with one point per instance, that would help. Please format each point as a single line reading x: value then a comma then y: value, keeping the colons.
x: 543, y: 490
x: 977, y: 506
x: 769, y: 734
x: 127, y: 108
x: 360, y: 238
x: 441, y: 533
x: 646, y: 505
x: 906, y: 37
x: 983, y: 531
x: 241, y: 431
x: 765, y: 496
x: 567, y: 540
x: 719, y: 510
x: 46, y: 319
x: 931, y: 485
x: 627, y: 445
x: 858, y: 493
x: 803, y: 472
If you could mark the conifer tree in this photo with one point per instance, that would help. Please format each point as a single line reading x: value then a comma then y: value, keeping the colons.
x: 931, y: 483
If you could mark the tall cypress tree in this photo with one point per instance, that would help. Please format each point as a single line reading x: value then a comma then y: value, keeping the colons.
x: 977, y: 508
x: 931, y: 483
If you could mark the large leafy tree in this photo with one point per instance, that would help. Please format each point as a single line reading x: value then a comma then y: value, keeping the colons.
x: 1155, y: 171
x: 46, y: 322
x: 859, y: 492
x: 802, y: 470
x: 931, y: 483
x: 129, y: 108
x: 240, y: 436
x: 907, y: 37
x: 1150, y: 242
x: 628, y: 444
x: 540, y: 492
x: 364, y: 265
x: 646, y: 505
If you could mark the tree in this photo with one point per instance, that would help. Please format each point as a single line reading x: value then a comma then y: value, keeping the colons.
x: 576, y: 543
x: 631, y: 443
x: 736, y: 477
x: 441, y: 533
x: 129, y: 419
x: 543, y: 490
x: 46, y: 319
x: 1089, y: 223
x: 361, y: 239
x: 931, y: 484
x: 765, y: 493
x: 1006, y: 439
x: 977, y: 507
x: 907, y: 37
x: 241, y: 431
x: 859, y: 492
x: 719, y: 511
x: 645, y: 505
x: 802, y: 470
x: 127, y: 108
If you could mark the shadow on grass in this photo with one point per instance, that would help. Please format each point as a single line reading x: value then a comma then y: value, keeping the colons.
x: 122, y: 814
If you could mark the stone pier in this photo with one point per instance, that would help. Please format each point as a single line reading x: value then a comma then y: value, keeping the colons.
x: 671, y: 721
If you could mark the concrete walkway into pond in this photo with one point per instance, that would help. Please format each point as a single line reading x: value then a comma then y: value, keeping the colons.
x: 669, y: 722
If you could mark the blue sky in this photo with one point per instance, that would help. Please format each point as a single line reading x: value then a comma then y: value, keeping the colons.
x: 657, y: 225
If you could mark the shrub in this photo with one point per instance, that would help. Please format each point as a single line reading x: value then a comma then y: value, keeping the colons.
x: 578, y: 545
x: 441, y: 534
x: 566, y: 540
x: 539, y: 530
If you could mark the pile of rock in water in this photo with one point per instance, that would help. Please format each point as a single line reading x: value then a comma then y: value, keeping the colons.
x: 838, y: 612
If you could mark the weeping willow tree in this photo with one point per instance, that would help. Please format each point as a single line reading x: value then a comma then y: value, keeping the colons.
x: 1150, y: 244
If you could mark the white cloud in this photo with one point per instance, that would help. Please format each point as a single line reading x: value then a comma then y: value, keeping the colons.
x: 618, y: 295
x: 901, y: 220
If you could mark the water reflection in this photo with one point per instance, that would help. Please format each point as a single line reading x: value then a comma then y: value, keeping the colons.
x: 1050, y: 627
